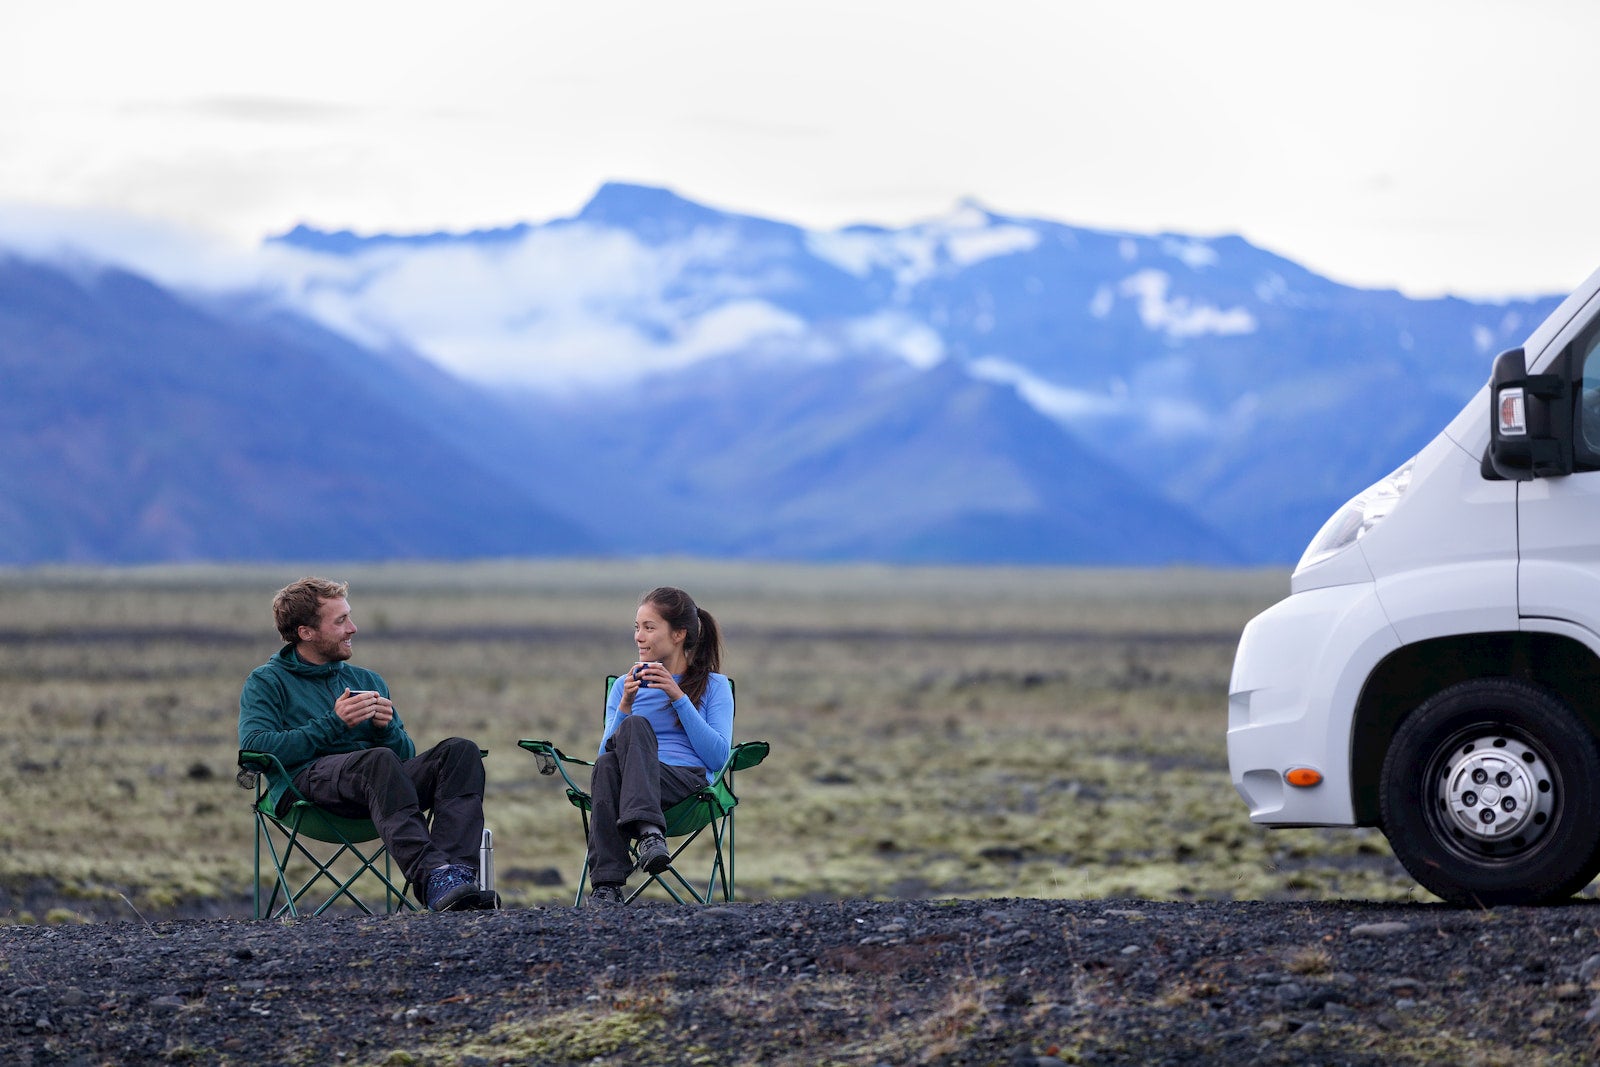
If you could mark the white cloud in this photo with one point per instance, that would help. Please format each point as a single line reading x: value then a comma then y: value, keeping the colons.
x: 369, y: 123
x: 174, y: 255
x: 557, y: 306
x: 732, y: 327
x: 1062, y: 403
x: 1172, y: 417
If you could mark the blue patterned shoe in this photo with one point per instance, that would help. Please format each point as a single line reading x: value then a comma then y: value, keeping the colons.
x: 452, y: 888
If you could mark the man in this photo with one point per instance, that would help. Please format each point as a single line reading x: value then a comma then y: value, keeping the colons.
x: 335, y: 730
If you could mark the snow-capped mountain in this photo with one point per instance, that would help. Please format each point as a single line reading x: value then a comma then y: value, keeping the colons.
x: 657, y: 376
x: 1221, y: 376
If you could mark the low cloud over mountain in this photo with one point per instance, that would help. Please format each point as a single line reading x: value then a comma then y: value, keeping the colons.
x: 654, y: 375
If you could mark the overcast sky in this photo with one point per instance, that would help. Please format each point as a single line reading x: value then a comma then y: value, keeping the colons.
x: 1431, y: 146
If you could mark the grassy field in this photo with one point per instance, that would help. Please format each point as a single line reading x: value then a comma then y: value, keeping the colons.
x: 935, y: 732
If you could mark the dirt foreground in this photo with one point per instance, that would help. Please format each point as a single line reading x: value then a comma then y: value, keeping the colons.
x: 925, y: 982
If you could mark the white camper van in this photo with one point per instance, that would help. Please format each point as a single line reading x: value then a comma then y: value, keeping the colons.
x: 1435, y: 670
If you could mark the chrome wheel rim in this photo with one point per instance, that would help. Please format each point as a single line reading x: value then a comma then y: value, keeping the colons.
x: 1495, y: 793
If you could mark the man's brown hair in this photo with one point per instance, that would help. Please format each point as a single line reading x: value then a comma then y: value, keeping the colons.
x: 300, y: 604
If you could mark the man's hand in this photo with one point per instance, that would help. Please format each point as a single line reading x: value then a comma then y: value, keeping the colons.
x: 355, y: 707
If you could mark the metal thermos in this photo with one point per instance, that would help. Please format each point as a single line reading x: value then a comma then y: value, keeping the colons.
x: 486, y: 860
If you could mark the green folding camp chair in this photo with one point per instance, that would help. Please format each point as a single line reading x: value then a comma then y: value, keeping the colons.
x: 358, y: 858
x: 710, y: 809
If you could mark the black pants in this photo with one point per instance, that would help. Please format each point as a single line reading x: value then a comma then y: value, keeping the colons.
x: 630, y: 785
x: 446, y: 780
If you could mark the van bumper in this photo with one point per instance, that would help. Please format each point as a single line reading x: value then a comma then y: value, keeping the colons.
x: 1297, y: 678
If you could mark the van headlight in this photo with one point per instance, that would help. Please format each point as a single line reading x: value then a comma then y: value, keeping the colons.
x: 1351, y: 522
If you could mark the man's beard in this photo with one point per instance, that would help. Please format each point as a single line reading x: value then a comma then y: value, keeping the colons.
x: 331, y: 651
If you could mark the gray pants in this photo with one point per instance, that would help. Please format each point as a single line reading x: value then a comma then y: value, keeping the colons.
x: 630, y: 785
x: 447, y: 780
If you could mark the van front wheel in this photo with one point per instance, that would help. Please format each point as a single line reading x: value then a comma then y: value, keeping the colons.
x: 1491, y: 795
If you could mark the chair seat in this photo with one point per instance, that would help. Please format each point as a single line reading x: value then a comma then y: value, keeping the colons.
x: 311, y: 821
x: 300, y: 873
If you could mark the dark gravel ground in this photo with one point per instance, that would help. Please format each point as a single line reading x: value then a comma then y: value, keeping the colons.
x: 979, y: 982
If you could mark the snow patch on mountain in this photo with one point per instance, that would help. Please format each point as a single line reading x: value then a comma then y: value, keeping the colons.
x: 897, y: 334
x: 1192, y: 253
x: 955, y: 242
x: 1177, y: 316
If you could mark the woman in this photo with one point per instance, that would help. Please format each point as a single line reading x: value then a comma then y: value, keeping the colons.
x: 669, y: 728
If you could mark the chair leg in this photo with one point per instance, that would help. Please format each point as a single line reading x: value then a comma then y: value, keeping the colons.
x: 280, y: 882
x: 323, y: 870
x: 660, y: 879
x: 583, y: 875
x: 727, y: 883
x: 259, y: 831
x: 719, y: 872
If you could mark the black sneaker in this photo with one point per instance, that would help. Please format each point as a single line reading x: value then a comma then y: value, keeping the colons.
x: 482, y: 900
x: 608, y: 895
x: 453, y: 888
x: 654, y: 856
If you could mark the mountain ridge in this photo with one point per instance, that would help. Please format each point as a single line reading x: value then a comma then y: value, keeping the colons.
x: 1199, y: 365
x: 973, y: 388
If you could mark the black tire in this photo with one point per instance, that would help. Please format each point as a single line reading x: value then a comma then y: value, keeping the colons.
x: 1491, y: 795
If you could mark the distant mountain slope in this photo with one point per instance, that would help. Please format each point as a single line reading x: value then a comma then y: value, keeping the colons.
x: 146, y: 426
x: 1223, y: 377
x: 867, y: 459
x: 140, y: 427
x: 656, y: 376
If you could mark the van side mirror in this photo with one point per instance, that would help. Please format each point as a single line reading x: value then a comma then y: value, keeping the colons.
x: 1530, y: 420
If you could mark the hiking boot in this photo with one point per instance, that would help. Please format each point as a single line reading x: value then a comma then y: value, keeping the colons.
x: 482, y: 900
x: 608, y: 895
x: 453, y: 888
x: 654, y: 856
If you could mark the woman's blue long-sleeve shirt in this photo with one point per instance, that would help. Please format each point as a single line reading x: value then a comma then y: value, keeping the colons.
x: 687, y: 735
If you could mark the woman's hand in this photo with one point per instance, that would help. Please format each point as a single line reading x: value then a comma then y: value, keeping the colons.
x: 656, y: 676
x: 630, y: 686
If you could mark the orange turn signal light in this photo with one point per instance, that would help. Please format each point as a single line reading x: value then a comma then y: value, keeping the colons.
x: 1303, y: 777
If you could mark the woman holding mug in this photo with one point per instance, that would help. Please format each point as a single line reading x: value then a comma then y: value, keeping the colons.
x: 668, y: 731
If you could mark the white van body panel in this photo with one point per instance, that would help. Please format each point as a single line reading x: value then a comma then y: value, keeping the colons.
x: 1560, y: 536
x: 1297, y: 676
x: 1301, y: 665
x: 1444, y: 562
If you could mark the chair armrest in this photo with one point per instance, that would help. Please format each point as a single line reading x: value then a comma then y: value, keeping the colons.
x: 551, y: 759
x: 745, y: 755
x: 254, y: 764
x: 264, y: 762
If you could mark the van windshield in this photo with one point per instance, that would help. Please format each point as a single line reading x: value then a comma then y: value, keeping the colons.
x: 1589, y: 397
